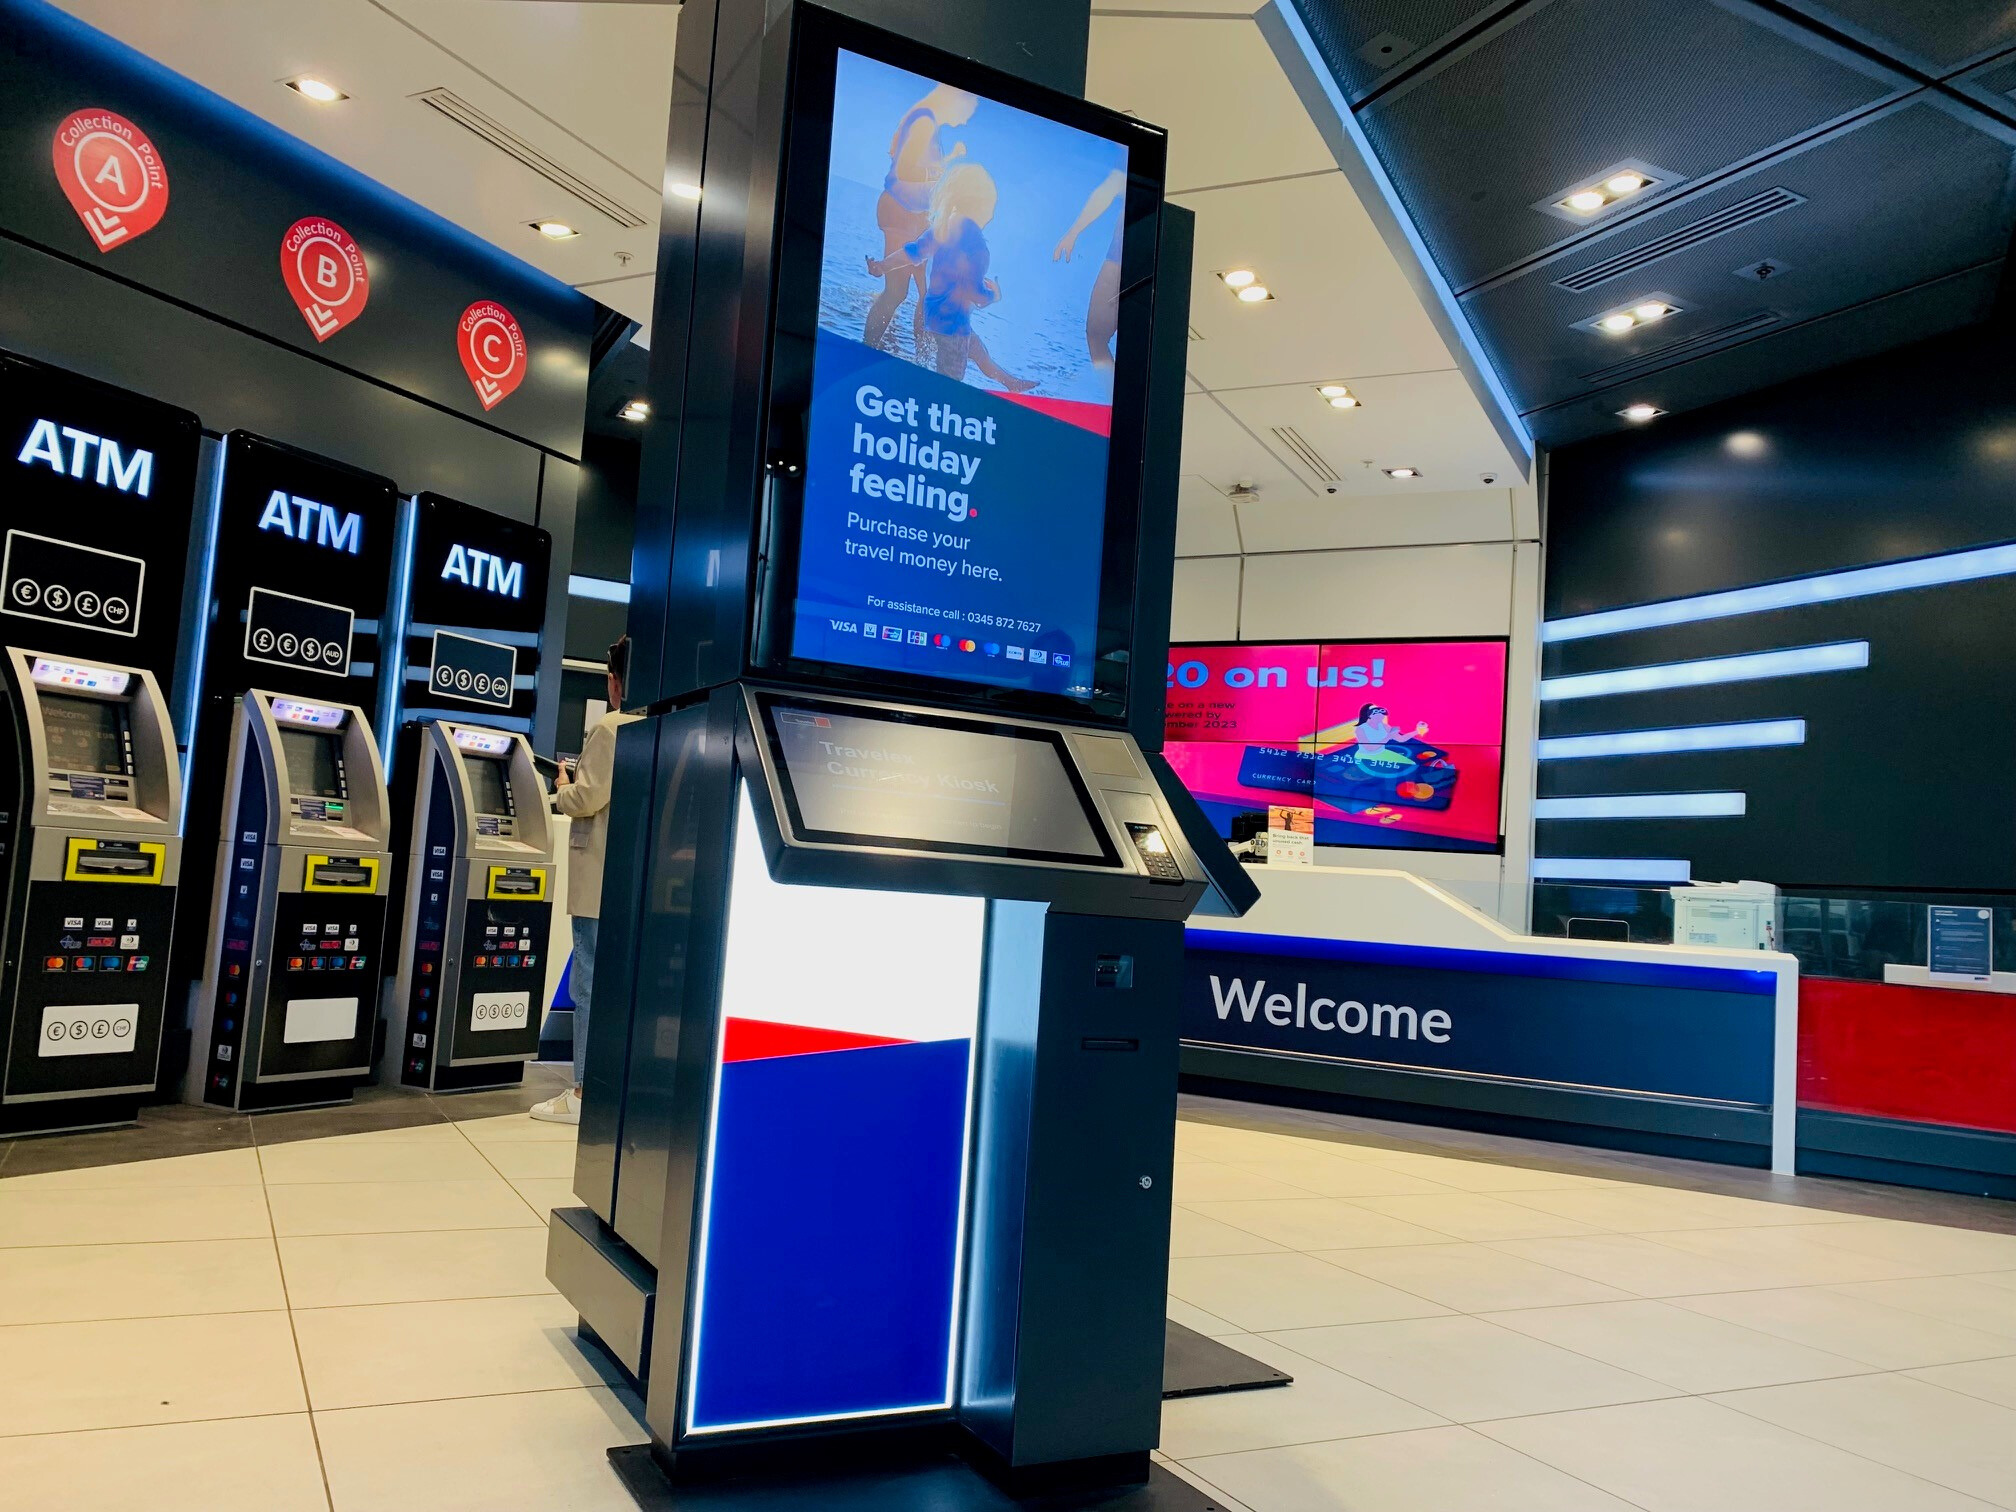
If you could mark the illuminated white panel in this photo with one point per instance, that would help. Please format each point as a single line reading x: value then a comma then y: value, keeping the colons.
x: 1842, y: 656
x: 1642, y: 806
x: 486, y: 741
x: 62, y: 674
x: 1826, y: 588
x: 1610, y: 869
x: 1718, y: 737
x: 295, y: 711
x: 609, y: 591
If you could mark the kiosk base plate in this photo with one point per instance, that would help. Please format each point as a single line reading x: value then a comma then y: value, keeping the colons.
x: 944, y: 1484
x: 1195, y: 1364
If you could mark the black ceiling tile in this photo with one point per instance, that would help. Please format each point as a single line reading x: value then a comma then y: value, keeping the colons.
x: 1906, y: 197
x: 1933, y: 35
x: 1992, y: 84
x: 1367, y: 42
x: 1572, y: 87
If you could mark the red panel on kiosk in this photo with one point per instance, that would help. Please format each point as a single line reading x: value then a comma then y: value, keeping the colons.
x: 1923, y: 1054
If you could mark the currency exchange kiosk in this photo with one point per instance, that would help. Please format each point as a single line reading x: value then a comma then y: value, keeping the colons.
x: 298, y: 922
x: 479, y: 914
x: 91, y: 843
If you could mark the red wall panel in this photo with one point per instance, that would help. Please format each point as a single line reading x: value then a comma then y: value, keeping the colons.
x: 1927, y: 1054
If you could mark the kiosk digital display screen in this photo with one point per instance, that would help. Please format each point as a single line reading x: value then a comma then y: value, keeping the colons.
x: 84, y: 734
x: 487, y: 789
x: 313, y: 769
x: 972, y: 416
x: 917, y: 782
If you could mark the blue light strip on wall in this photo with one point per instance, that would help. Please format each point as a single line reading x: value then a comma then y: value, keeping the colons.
x: 1642, y: 806
x: 607, y: 590
x: 1610, y: 869
x: 1715, y: 737
x: 1839, y: 656
x: 191, y: 698
x: 392, y: 639
x: 1797, y: 593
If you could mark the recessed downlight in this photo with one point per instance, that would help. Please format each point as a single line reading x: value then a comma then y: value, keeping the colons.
x: 1617, y: 323
x: 635, y: 410
x: 321, y: 91
x: 1587, y: 201
x: 1401, y: 472
x: 1239, y: 278
x: 554, y: 230
x: 1254, y: 293
x: 1624, y: 183
x: 1602, y: 192
x: 1646, y: 309
x: 1345, y: 401
x: 1338, y: 395
x: 1639, y: 413
x: 1652, y: 309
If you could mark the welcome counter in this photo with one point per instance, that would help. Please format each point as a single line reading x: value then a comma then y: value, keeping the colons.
x: 1381, y: 991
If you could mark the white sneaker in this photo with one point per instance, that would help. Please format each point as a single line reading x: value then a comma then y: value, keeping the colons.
x: 566, y: 1108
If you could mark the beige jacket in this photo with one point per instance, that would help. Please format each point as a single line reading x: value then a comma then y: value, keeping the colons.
x: 585, y: 802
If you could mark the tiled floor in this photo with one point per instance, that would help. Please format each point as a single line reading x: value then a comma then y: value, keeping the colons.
x: 301, y: 1318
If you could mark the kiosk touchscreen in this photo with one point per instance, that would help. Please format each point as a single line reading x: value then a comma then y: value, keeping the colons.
x: 289, y: 1000
x: 476, y: 946
x: 91, y: 844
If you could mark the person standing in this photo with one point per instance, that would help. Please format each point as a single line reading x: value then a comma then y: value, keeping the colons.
x: 583, y: 796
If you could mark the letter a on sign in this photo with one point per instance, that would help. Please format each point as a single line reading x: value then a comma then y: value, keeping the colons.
x: 493, y: 351
x: 112, y: 176
x: 323, y: 268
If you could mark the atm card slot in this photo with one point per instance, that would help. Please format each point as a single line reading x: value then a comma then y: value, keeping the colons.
x: 340, y: 874
x: 1121, y: 1045
x: 520, y: 885
x: 115, y: 863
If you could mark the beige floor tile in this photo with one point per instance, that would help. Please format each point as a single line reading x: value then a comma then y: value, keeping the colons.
x: 1951, y: 1299
x: 1991, y: 1380
x: 1433, y: 1470
x: 546, y: 1158
x: 249, y: 1464
x: 1475, y: 1216
x: 1472, y: 1277
x: 79, y: 1283
x: 129, y: 1215
x: 1197, y: 1320
x: 1998, y: 1278
x: 1318, y: 1223
x: 419, y: 1351
x: 1681, y: 1348
x: 430, y: 1131
x: 1645, y: 1209
x: 339, y: 1159
x: 1217, y: 1182
x: 346, y: 1270
x: 1467, y: 1369
x: 384, y: 1207
x: 1928, y: 1248
x: 1910, y: 1425
x: 1223, y: 1142
x: 1634, y: 1264
x: 1191, y: 1233
x: 1320, y: 1403
x: 546, y: 1193
x: 215, y: 1168
x: 1262, y: 1293
x: 65, y: 1376
x: 1788, y: 1255
x: 1885, y: 1337
x: 515, y: 1128
x: 1484, y: 1176
x: 1692, y: 1455
x: 1327, y: 1176
x: 538, y: 1451
x: 1188, y: 1475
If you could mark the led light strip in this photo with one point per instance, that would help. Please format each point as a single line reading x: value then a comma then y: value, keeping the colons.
x: 1716, y: 737
x: 1797, y: 593
x: 1642, y: 806
x: 605, y: 589
x: 1610, y: 869
x: 1841, y: 656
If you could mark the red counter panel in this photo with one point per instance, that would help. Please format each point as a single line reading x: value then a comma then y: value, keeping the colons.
x: 1924, y: 1054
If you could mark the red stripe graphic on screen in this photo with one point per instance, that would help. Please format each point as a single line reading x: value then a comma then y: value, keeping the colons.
x: 760, y: 1039
x: 112, y: 175
x: 1097, y: 418
x: 492, y: 348
x: 323, y: 268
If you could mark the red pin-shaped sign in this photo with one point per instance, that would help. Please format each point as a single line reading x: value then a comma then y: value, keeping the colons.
x: 493, y: 351
x: 112, y: 176
x: 324, y: 270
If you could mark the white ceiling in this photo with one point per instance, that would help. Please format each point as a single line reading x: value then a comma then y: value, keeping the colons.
x: 588, y: 84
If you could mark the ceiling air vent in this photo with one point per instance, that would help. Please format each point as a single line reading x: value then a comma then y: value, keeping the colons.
x: 1310, y: 458
x: 1687, y: 346
x: 500, y: 136
x: 1729, y: 218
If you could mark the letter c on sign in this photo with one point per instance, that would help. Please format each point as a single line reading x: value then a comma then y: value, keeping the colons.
x: 490, y: 342
x: 1316, y: 1013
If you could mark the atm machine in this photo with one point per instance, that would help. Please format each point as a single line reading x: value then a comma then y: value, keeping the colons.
x: 476, y: 945
x: 297, y: 926
x: 91, y: 842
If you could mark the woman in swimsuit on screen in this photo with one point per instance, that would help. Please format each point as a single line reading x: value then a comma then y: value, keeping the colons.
x: 916, y: 163
x: 954, y: 255
x: 1102, y: 314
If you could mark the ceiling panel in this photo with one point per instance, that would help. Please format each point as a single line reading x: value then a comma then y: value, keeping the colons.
x: 1222, y: 452
x: 1206, y: 522
x: 1427, y: 519
x: 1571, y: 88
x: 1940, y: 34
x: 1368, y: 41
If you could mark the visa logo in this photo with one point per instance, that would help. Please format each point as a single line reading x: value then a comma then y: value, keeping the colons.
x: 485, y: 570
x: 134, y: 474
x: 305, y: 520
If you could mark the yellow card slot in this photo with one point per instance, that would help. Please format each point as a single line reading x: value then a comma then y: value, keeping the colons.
x: 340, y: 874
x: 521, y: 884
x: 87, y: 860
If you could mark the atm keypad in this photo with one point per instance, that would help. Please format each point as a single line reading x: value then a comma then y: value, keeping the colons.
x: 1154, y: 852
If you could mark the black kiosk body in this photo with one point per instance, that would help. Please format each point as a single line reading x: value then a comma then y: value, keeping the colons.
x: 477, y: 943
x: 289, y: 1001
x: 879, y: 1111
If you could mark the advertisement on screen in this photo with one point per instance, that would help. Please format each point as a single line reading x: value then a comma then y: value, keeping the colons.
x: 962, y: 387
x: 1395, y: 745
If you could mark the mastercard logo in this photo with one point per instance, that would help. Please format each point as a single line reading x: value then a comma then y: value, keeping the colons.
x: 967, y: 645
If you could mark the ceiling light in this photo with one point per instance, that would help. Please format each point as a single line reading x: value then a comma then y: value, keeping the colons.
x: 1588, y: 201
x: 1642, y: 311
x: 635, y: 410
x: 1239, y: 278
x: 1402, y: 472
x: 1604, y: 191
x: 1344, y: 401
x: 1639, y: 413
x: 1617, y: 323
x: 1651, y: 310
x: 1332, y: 390
x: 554, y: 230
x: 685, y: 191
x: 1254, y: 293
x: 318, y: 90
x: 1624, y: 183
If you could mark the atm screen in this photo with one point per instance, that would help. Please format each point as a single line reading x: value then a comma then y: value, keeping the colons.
x: 85, y: 734
x: 917, y: 782
x: 488, y: 790
x: 314, y: 766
